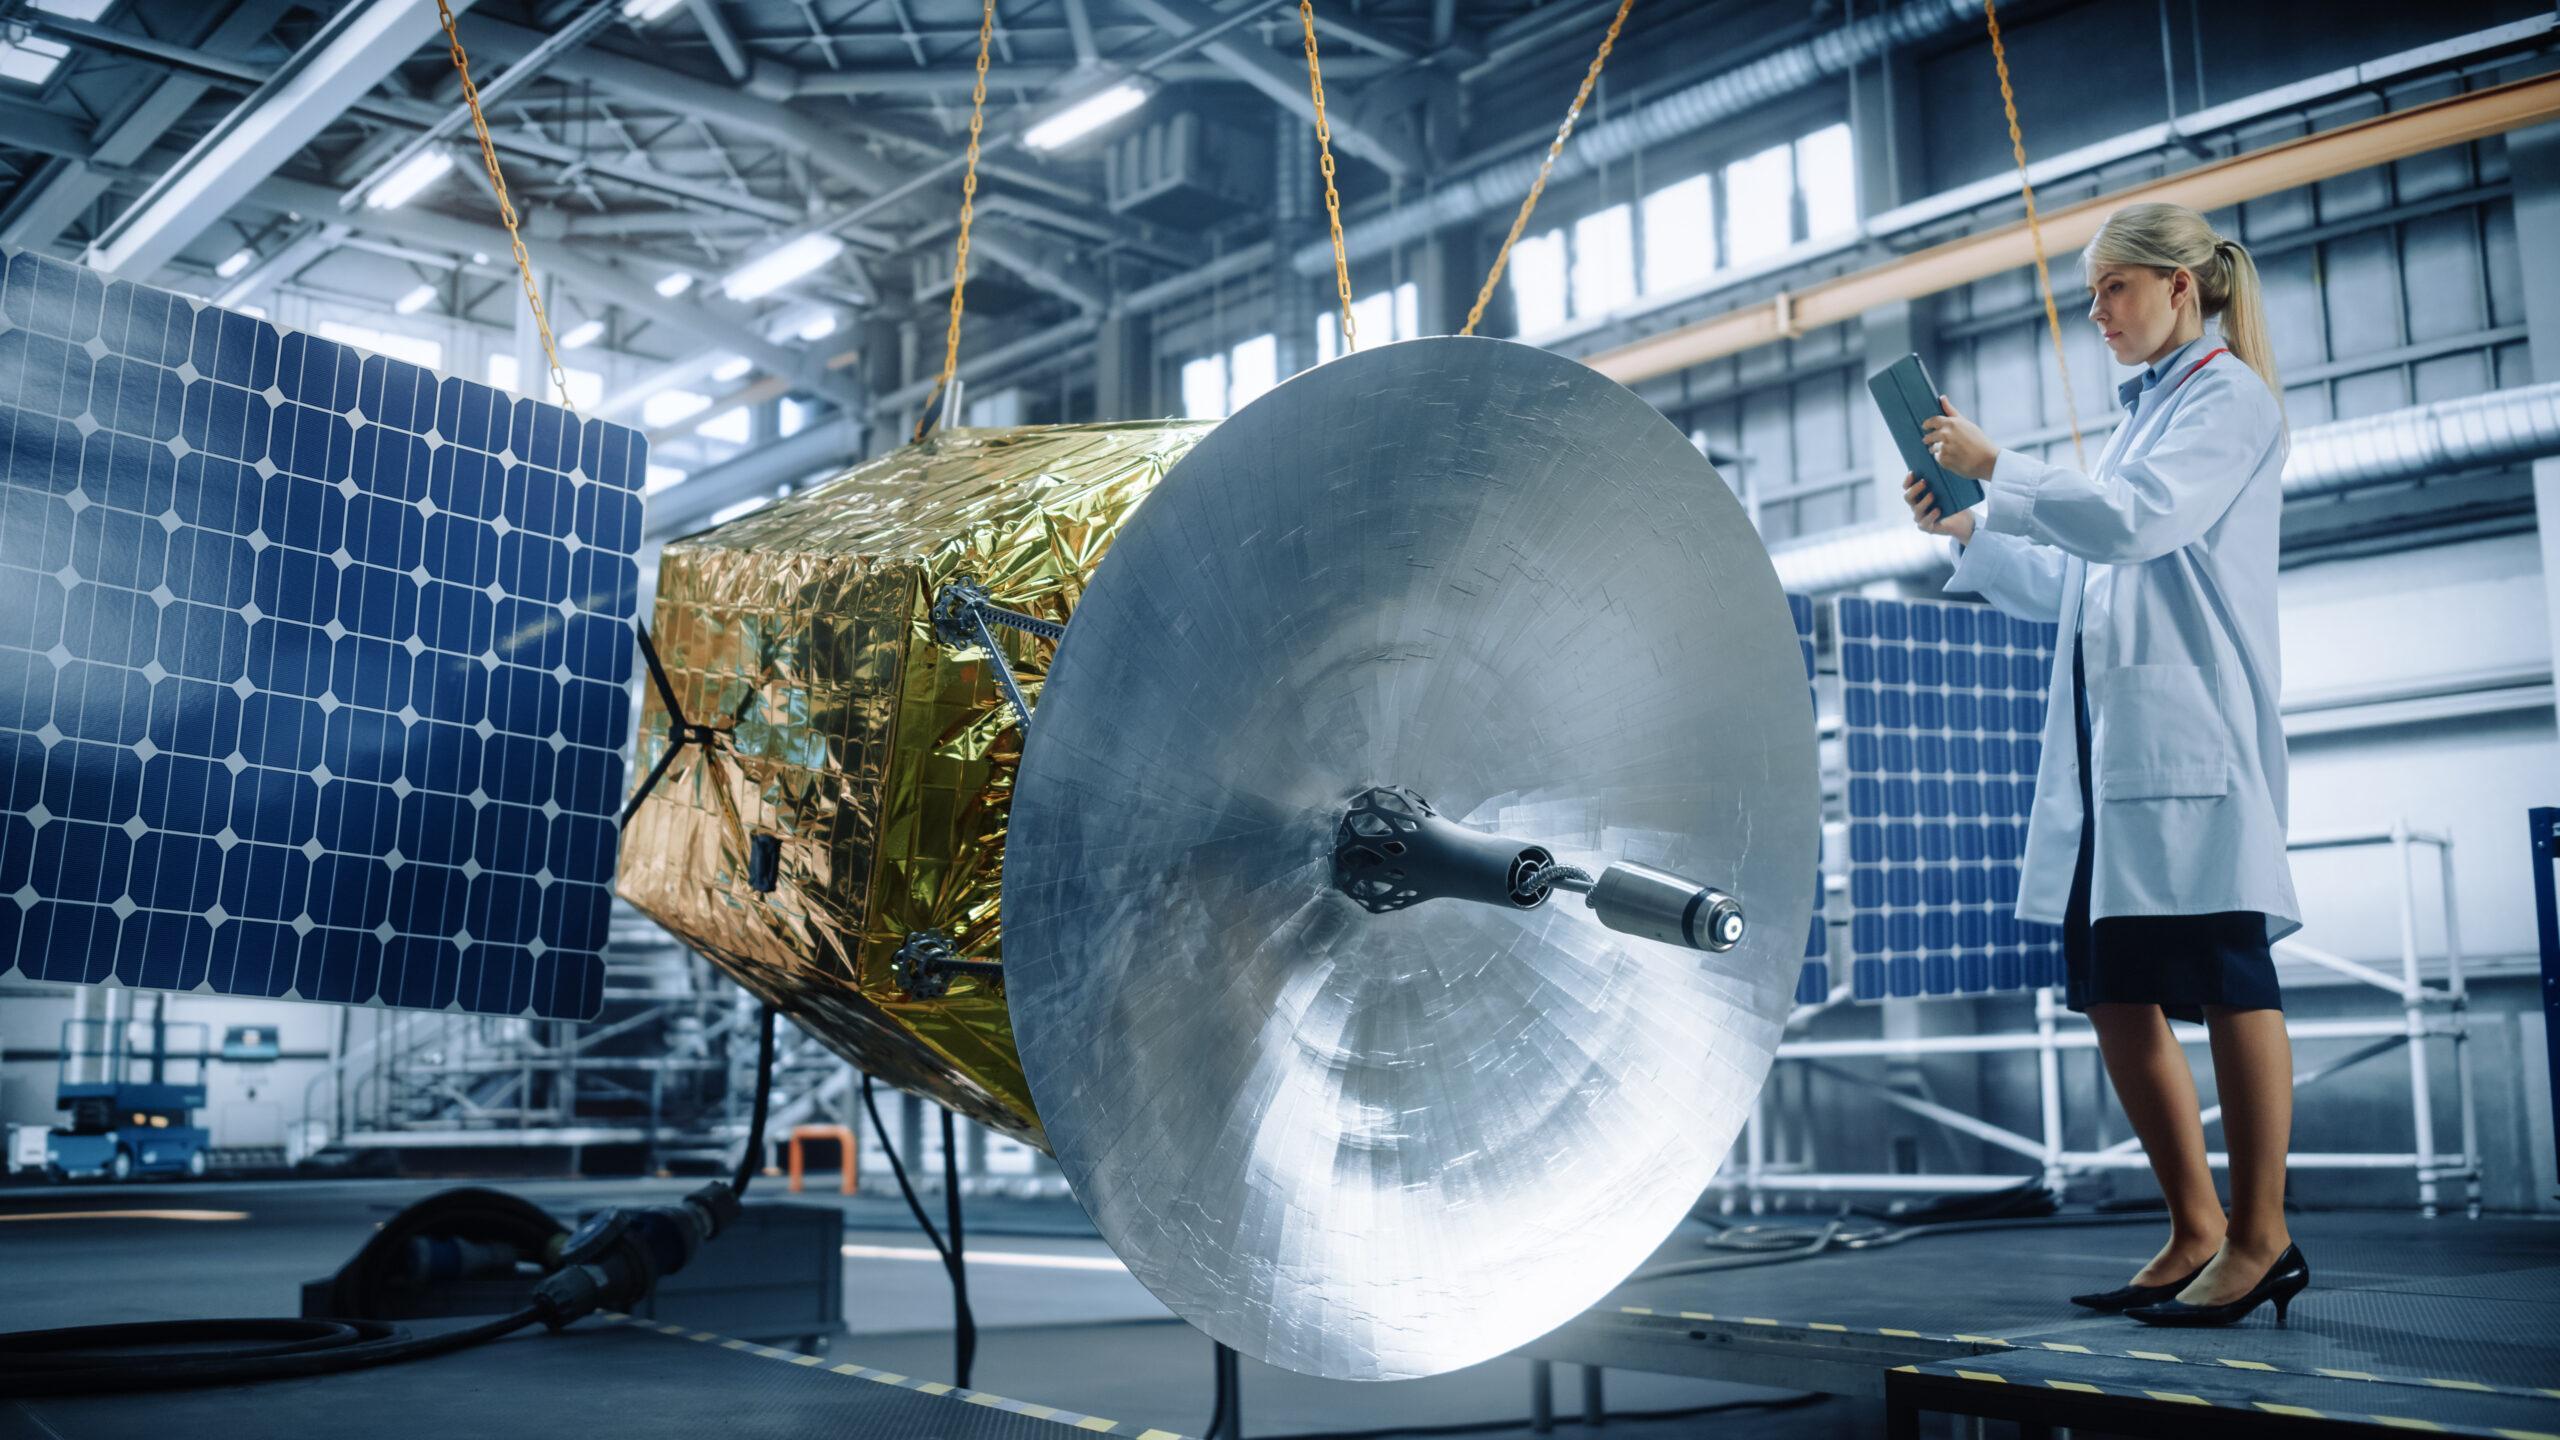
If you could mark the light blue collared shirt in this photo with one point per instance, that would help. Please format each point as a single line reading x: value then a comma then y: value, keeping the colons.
x: 2163, y: 560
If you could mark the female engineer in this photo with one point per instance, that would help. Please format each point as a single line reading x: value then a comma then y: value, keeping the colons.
x: 2157, y: 837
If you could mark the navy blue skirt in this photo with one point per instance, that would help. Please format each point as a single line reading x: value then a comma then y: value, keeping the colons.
x: 2181, y: 963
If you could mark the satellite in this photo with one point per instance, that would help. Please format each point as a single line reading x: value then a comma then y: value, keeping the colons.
x: 1364, y: 840
x: 1402, y: 794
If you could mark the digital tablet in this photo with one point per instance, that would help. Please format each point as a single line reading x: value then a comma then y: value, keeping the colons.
x: 1907, y: 396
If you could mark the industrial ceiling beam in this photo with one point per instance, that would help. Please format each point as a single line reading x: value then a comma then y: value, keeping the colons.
x: 1285, y: 83
x: 1080, y: 32
x: 2284, y: 166
x: 351, y: 54
x: 246, y: 77
x: 49, y: 209
x: 1025, y: 256
x: 748, y: 108
x: 494, y: 89
x: 724, y: 41
x: 585, y: 273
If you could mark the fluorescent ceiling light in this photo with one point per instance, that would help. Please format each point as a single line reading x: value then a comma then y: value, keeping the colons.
x: 781, y: 265
x: 402, y: 185
x: 237, y: 261
x: 1085, y: 116
x: 584, y: 335
x: 675, y: 283
x: 735, y: 367
x: 641, y: 12
x: 416, y: 300
x: 820, y: 328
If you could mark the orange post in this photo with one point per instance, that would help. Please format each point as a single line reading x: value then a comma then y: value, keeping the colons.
x: 844, y: 1141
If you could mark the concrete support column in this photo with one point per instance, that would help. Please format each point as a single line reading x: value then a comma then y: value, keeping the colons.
x: 1124, y: 368
x: 2533, y: 157
x: 1884, y: 128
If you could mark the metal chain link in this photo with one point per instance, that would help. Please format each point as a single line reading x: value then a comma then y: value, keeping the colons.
x: 968, y: 209
x: 2035, y: 230
x: 1538, y: 187
x: 1332, y: 201
x: 506, y: 207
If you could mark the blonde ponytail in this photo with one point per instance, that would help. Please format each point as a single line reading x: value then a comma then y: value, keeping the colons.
x: 2173, y: 237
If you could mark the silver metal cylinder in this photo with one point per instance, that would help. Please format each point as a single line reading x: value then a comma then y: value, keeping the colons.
x: 1639, y: 900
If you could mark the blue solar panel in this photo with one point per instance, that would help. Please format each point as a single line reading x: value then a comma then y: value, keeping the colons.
x: 1944, y: 710
x: 314, y: 665
x: 1813, y: 982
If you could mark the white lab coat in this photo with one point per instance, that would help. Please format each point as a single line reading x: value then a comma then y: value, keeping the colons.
x: 2164, y: 560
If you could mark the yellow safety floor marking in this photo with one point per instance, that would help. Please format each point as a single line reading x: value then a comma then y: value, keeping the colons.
x: 2074, y: 1385
x: 2302, y: 1411
x: 1092, y: 1423
x: 2069, y: 1348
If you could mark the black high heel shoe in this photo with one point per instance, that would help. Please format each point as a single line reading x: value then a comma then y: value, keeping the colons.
x: 2284, y: 1280
x: 2125, y: 1297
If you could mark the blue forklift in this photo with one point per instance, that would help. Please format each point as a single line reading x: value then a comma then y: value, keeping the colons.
x: 122, y: 1126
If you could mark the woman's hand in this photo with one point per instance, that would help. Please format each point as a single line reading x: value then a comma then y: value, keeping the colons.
x: 1924, y: 512
x: 1958, y: 443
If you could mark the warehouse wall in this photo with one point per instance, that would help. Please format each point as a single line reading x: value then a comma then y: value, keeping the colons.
x: 248, y: 1104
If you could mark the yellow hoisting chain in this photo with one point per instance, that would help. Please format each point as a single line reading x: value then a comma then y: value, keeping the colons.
x: 506, y: 207
x: 968, y: 209
x: 1555, y: 149
x: 1332, y: 201
x: 2035, y: 229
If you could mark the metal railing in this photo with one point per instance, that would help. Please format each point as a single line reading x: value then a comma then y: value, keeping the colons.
x: 2429, y: 1012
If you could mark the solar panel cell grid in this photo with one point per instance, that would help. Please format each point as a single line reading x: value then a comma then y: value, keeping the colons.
x: 1944, y: 707
x: 314, y: 666
x: 1813, y: 982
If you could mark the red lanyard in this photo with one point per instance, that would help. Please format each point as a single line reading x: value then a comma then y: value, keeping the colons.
x: 2207, y: 360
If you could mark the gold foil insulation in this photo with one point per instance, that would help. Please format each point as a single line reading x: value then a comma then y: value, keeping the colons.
x: 880, y: 760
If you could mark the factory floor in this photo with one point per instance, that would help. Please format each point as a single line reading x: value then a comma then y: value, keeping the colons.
x: 1060, y: 1323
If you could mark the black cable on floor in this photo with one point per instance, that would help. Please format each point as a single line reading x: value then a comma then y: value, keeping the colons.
x: 752, y: 1162
x: 90, y: 1359
x: 1479, y: 1427
x: 964, y: 1327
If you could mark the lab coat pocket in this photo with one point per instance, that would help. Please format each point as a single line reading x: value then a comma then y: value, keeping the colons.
x: 2159, y: 734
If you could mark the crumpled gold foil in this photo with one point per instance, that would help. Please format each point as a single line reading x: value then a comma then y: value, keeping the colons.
x: 880, y: 759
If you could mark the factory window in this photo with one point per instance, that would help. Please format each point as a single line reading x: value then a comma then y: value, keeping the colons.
x: 670, y: 406
x: 415, y: 349
x: 1380, y: 317
x: 1679, y: 234
x: 793, y: 419
x: 1827, y: 178
x: 1253, y: 368
x: 659, y: 477
x: 1604, y: 260
x: 732, y: 425
x: 502, y: 373
x: 1538, y: 282
x: 1216, y: 386
x: 1759, y: 218
x: 32, y: 59
x: 1204, y: 388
